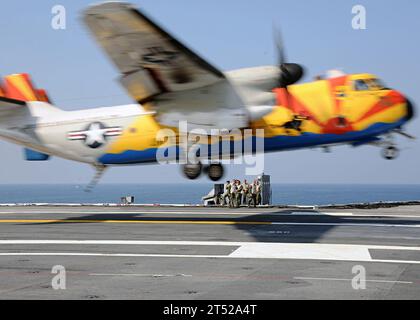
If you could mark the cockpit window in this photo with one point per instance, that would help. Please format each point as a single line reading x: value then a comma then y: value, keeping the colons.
x: 361, y: 85
x: 368, y: 84
x: 375, y: 84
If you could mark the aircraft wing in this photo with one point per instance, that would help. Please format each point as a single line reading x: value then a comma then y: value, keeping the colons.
x: 157, y: 70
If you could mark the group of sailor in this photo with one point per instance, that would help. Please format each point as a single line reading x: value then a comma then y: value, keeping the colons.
x: 236, y: 193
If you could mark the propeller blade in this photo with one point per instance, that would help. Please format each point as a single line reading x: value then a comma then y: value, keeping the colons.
x: 290, y: 73
x: 281, y: 51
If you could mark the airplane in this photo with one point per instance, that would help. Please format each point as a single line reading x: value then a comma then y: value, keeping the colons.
x: 169, y: 83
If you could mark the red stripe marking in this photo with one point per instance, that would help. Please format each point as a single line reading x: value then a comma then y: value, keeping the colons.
x: 114, y: 130
x: 286, y: 99
x: 76, y: 135
x: 390, y: 100
x: 334, y: 83
x: 282, y: 98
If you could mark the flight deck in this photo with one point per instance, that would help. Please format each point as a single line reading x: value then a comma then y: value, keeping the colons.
x: 132, y: 252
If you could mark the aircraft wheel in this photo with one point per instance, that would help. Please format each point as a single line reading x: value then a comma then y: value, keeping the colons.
x: 215, y: 172
x: 390, y: 153
x: 193, y: 171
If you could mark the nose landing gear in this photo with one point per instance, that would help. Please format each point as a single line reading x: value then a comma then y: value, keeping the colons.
x: 390, y: 153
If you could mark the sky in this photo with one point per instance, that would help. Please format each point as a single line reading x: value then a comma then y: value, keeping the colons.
x: 231, y: 35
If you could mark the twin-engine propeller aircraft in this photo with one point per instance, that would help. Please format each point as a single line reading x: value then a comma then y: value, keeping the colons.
x: 171, y: 83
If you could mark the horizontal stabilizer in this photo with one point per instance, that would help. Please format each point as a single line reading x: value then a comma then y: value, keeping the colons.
x: 31, y: 155
x: 8, y: 106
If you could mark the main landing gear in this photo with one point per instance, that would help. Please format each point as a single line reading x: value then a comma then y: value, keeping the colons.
x: 193, y: 171
x: 214, y: 171
x: 99, y: 172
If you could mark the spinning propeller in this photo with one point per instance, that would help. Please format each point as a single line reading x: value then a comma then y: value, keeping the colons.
x: 290, y: 73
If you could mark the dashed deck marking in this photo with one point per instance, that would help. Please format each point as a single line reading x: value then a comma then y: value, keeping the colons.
x: 349, y: 280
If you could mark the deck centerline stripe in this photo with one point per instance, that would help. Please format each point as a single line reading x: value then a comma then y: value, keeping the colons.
x: 139, y: 275
x: 340, y: 279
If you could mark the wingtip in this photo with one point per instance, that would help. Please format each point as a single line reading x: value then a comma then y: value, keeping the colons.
x: 107, y: 5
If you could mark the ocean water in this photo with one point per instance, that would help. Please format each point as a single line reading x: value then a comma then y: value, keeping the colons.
x: 191, y: 193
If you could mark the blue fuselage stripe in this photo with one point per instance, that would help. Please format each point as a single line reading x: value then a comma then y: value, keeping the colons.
x: 274, y: 144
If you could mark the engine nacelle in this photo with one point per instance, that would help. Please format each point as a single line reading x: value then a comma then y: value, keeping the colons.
x: 290, y: 74
x: 259, y: 112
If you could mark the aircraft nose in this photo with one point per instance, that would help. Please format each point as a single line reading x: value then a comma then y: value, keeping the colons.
x: 410, y: 110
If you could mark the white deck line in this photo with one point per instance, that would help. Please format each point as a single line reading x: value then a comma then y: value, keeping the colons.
x: 134, y: 255
x: 246, y: 250
x: 349, y: 280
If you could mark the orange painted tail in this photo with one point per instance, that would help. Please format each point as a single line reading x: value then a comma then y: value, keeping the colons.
x: 20, y: 87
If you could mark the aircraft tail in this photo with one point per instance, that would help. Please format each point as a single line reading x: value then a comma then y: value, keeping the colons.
x: 15, y: 91
x: 20, y: 87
